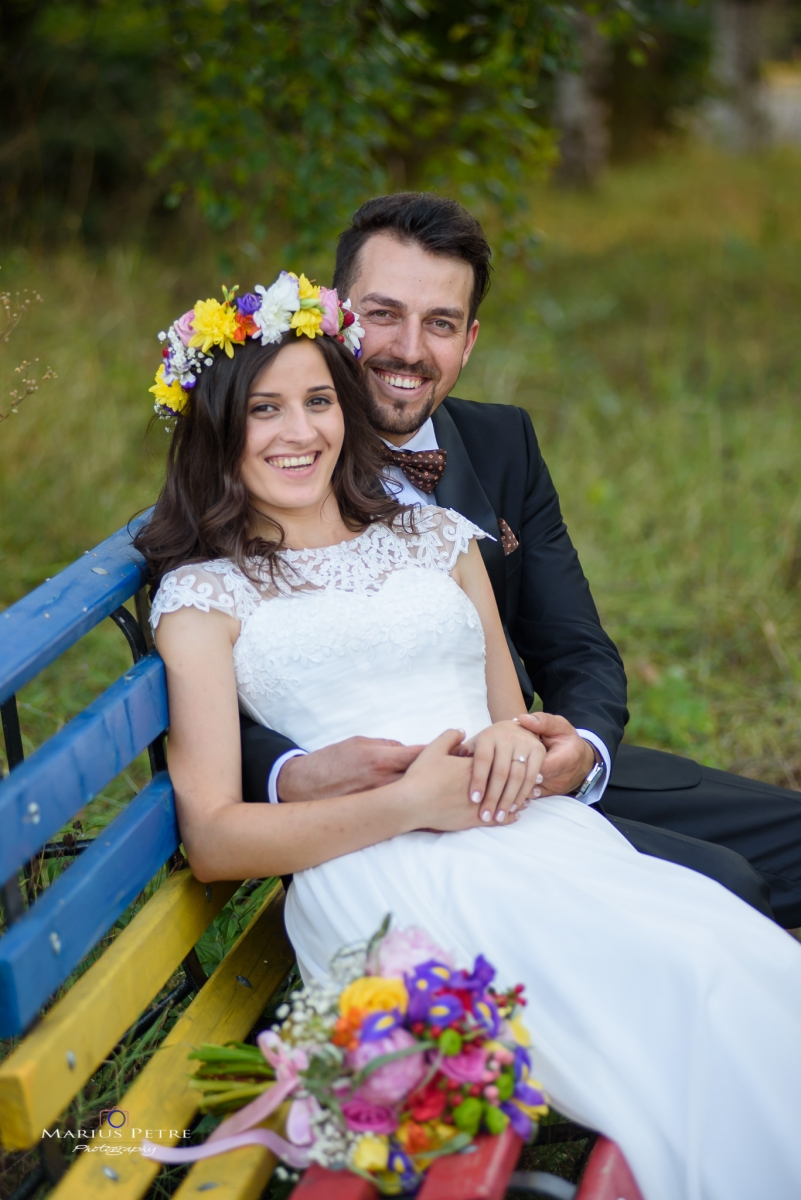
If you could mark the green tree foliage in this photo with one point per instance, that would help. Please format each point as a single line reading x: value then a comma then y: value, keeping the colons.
x: 266, y: 110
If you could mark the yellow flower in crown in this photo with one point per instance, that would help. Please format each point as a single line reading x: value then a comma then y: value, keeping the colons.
x: 168, y: 395
x: 214, y: 324
x: 371, y: 994
x: 309, y: 317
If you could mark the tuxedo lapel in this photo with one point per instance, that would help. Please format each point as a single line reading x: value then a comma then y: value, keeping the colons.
x: 461, y: 490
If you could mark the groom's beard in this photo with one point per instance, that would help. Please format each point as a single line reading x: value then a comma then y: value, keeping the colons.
x: 395, y: 416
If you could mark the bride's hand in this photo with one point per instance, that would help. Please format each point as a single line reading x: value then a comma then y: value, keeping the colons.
x: 506, y: 768
x: 435, y: 787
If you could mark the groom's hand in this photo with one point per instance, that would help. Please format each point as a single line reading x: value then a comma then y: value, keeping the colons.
x: 568, y: 758
x: 358, y: 764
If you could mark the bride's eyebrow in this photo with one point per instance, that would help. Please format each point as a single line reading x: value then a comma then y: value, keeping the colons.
x: 320, y: 387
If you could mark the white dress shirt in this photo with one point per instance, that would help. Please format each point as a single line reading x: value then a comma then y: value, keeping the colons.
x: 398, y: 486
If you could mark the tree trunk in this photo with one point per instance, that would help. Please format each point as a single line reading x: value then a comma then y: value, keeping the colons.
x: 580, y: 112
x: 737, y: 114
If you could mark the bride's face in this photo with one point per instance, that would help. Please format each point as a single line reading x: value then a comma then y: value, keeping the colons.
x: 295, y: 431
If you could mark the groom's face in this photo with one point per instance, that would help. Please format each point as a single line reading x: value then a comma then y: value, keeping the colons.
x: 414, y: 308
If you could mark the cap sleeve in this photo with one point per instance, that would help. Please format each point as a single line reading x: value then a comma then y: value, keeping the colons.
x: 442, y: 535
x: 218, y: 586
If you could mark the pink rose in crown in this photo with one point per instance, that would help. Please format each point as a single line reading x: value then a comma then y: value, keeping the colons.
x: 363, y: 1117
x: 330, y: 302
x: 404, y: 949
x: 184, y: 327
x: 390, y: 1083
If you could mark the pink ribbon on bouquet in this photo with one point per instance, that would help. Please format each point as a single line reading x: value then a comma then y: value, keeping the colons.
x: 237, y: 1130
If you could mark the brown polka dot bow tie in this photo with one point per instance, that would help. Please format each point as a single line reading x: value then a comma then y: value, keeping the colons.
x: 423, y: 468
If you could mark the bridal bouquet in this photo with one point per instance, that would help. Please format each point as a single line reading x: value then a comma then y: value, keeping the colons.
x: 397, y: 1058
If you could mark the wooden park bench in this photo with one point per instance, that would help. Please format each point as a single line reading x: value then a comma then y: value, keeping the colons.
x: 119, y: 995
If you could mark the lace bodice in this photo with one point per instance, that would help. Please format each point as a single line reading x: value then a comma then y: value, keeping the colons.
x: 371, y: 636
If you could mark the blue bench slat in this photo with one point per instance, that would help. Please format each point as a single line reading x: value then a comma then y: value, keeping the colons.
x: 70, y: 769
x: 50, y: 619
x: 45, y: 946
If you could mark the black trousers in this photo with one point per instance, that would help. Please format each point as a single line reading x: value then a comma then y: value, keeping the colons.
x: 652, y: 793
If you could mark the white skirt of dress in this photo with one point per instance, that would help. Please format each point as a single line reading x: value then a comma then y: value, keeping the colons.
x: 664, y: 1012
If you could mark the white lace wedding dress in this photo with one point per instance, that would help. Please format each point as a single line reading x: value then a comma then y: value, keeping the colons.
x: 664, y: 1011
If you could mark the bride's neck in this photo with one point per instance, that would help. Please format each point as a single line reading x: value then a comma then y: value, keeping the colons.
x: 309, y: 528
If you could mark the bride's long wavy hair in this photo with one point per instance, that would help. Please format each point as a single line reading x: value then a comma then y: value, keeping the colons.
x: 204, y: 510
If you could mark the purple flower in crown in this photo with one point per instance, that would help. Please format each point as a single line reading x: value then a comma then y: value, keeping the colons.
x: 479, y: 978
x: 444, y: 1009
x: 486, y: 1014
x: 248, y: 304
x: 379, y: 1024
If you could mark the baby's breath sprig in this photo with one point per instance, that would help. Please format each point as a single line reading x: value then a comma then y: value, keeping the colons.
x: 13, y: 309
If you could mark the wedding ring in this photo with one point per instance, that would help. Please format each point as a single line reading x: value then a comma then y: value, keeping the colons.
x: 521, y: 759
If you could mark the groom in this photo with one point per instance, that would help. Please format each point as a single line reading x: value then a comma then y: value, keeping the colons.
x: 416, y: 267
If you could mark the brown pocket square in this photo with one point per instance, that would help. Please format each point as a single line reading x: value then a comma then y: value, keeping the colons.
x: 508, y: 539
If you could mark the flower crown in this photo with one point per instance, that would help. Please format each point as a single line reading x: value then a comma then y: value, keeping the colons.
x: 291, y: 302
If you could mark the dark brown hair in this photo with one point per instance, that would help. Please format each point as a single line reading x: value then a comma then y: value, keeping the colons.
x: 439, y: 225
x: 204, y: 510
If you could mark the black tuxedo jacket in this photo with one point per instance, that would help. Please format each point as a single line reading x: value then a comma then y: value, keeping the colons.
x: 495, y: 470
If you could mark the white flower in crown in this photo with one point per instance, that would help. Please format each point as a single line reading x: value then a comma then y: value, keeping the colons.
x: 279, y: 302
x: 351, y: 333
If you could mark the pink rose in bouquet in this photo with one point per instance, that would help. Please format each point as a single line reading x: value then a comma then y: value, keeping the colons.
x: 468, y: 1066
x: 390, y: 1083
x: 363, y: 1117
x: 404, y: 949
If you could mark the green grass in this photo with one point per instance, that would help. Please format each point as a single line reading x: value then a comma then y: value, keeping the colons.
x: 655, y: 342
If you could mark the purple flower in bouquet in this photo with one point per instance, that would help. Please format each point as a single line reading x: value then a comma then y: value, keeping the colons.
x: 423, y: 985
x: 529, y: 1095
x: 486, y: 1014
x: 518, y: 1120
x: 393, y: 1081
x: 248, y: 304
x: 479, y: 978
x: 522, y: 1062
x: 466, y: 1067
x: 379, y: 1025
x: 363, y: 1117
x: 445, y: 1009
x: 402, y: 950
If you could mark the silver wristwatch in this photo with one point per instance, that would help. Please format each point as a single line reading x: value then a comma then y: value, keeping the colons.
x: 595, y: 775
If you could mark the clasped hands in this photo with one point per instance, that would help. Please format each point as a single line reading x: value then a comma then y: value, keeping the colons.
x: 512, y: 763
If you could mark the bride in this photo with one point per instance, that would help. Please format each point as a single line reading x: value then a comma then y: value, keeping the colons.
x: 290, y: 586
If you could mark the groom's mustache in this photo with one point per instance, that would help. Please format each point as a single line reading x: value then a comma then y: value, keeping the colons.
x: 399, y: 367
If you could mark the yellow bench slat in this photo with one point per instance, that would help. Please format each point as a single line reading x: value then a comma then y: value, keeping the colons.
x: 55, y: 1060
x: 238, y: 1175
x: 160, y: 1098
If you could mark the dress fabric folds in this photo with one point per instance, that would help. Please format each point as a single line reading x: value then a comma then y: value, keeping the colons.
x: 664, y: 1012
